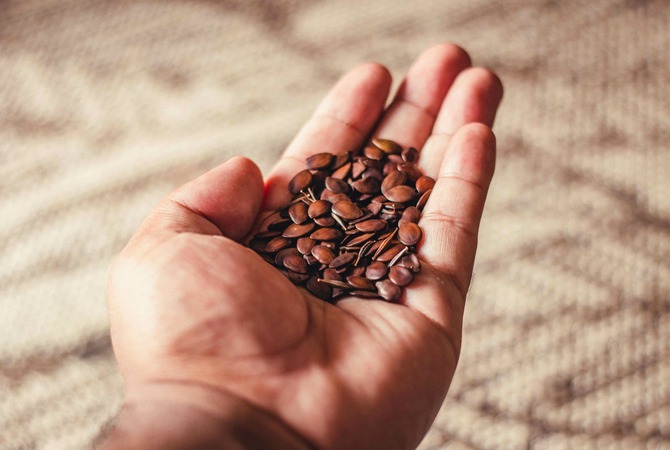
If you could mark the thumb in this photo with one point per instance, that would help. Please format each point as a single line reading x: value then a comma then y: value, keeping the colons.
x: 224, y: 201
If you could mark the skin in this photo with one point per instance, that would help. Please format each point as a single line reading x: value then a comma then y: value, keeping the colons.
x: 219, y: 350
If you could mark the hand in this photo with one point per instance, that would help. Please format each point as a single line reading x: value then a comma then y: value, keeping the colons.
x: 213, y: 342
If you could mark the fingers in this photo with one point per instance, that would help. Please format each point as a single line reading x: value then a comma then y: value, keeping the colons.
x: 341, y: 123
x: 450, y: 220
x: 474, y: 97
x: 410, y: 117
x: 224, y: 201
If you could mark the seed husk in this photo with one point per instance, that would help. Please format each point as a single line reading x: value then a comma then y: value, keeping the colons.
x: 400, y: 276
x: 361, y: 238
x: 409, y: 233
x: 299, y: 182
x: 336, y: 283
x: 319, y: 161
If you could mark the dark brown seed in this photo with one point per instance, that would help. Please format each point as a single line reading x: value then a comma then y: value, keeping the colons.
x: 321, y: 290
x: 296, y: 263
x: 347, y: 210
x: 319, y: 161
x: 323, y: 254
x: 299, y: 182
x: 388, y: 291
x: 359, y: 282
x: 387, y: 145
x: 424, y: 199
x: 326, y: 234
x: 340, y: 160
x: 295, y: 230
x: 358, y: 271
x: 413, y: 173
x: 297, y: 278
x: 279, y: 224
x: 402, y: 194
x: 365, y: 294
x: 342, y: 261
x: 337, y: 186
x: 409, y: 233
x: 373, y: 152
x: 375, y: 207
x: 342, y: 172
x: 376, y: 270
x: 369, y: 185
x: 371, y: 225
x: 279, y: 257
x: 400, y: 276
x: 410, y: 155
x: 393, y: 179
x: 311, y: 260
x: 257, y: 245
x: 276, y: 244
x: 332, y: 197
x: 331, y: 274
x: 267, y: 234
x: 366, y: 215
x: 370, y: 163
x: 374, y: 173
x: 410, y: 214
x: 411, y: 262
x: 390, y: 167
x: 389, y: 254
x: 305, y: 245
x: 298, y: 212
x: 327, y: 221
x: 424, y: 183
x: 360, y: 239
x: 357, y: 169
x: 318, y: 208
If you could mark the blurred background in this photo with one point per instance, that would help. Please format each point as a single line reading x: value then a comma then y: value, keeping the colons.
x: 105, y: 106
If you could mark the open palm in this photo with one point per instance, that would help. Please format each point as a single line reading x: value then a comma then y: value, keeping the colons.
x: 190, y: 305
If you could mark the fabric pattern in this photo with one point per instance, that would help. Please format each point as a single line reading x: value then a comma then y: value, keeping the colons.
x: 107, y: 106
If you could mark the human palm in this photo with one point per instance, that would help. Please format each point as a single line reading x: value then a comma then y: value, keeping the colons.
x: 190, y: 305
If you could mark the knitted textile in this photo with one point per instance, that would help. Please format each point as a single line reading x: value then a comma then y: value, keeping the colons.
x: 107, y: 106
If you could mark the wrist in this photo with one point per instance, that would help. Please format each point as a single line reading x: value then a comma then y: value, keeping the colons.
x: 187, y: 416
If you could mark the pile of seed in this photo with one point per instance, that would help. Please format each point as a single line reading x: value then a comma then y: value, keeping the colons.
x: 351, y: 228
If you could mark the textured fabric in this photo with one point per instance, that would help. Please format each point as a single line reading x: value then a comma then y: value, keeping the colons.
x: 107, y: 106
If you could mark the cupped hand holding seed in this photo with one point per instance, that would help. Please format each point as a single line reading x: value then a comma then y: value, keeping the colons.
x: 218, y: 349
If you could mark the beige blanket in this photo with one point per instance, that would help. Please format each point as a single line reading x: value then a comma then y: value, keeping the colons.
x: 107, y: 106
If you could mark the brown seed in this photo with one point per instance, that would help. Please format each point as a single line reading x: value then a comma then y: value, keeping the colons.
x: 337, y: 186
x: 357, y: 271
x: 424, y: 199
x: 279, y: 257
x: 369, y: 185
x: 323, y: 254
x: 347, y: 210
x: 297, y: 278
x: 413, y: 173
x: 402, y: 194
x: 389, y: 254
x: 298, y: 212
x: 294, y: 230
x: 319, y: 161
x: 326, y: 234
x: 359, y: 282
x: 410, y: 214
x: 321, y: 290
x: 371, y: 225
x: 331, y: 274
x: 387, y: 145
x: 424, y: 183
x: 392, y: 180
x: 318, y: 208
x: 409, y: 233
x: 370, y: 163
x: 360, y: 239
x: 411, y: 262
x: 357, y: 169
x: 305, y: 245
x: 296, y: 263
x: 267, y: 234
x: 311, y: 260
x: 257, y: 245
x: 326, y: 221
x: 373, y: 152
x: 340, y: 160
x: 390, y: 167
x: 276, y: 244
x: 342, y: 172
x: 388, y: 291
x: 400, y: 276
x: 375, y: 207
x: 376, y: 270
x: 374, y: 173
x: 410, y: 155
x: 342, y: 261
x: 332, y: 197
x: 299, y: 182
x: 279, y: 224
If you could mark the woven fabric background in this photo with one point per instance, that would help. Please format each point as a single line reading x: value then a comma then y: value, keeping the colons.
x: 105, y: 106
